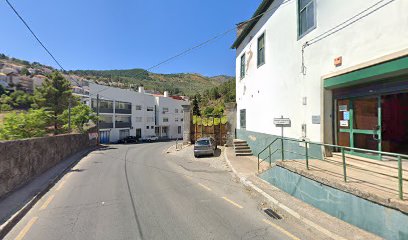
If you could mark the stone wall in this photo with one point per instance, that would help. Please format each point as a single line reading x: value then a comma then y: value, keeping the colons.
x: 22, y: 160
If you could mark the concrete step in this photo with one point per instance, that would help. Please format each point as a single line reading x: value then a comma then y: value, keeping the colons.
x: 240, y: 144
x: 243, y: 150
x: 241, y: 147
x: 243, y: 154
x: 239, y: 141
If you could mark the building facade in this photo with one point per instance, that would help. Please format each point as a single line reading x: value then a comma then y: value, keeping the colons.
x: 338, y: 70
x: 130, y: 113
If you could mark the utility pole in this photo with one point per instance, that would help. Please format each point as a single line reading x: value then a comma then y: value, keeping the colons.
x: 69, y: 115
x: 97, y: 116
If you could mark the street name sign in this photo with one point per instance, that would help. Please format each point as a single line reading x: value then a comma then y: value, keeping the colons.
x: 281, y: 122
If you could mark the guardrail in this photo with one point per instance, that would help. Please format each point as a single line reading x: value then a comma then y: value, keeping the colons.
x: 342, y: 149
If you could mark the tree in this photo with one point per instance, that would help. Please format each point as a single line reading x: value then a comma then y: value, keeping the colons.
x: 196, y: 109
x: 24, y: 125
x: 54, y: 95
x: 80, y: 116
x: 208, y: 111
x: 2, y: 90
x: 25, y: 71
x: 21, y: 100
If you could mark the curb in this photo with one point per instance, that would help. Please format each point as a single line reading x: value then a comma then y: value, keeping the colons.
x: 280, y: 205
x: 9, y: 224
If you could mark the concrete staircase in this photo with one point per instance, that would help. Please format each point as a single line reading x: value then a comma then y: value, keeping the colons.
x: 241, y: 148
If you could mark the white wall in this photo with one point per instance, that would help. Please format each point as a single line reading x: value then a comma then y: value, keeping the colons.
x: 277, y: 87
x: 171, y: 104
x: 145, y: 100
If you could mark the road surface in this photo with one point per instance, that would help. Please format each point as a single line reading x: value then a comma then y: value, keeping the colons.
x: 140, y: 192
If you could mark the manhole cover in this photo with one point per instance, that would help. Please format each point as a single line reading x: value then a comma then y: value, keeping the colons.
x: 272, y: 214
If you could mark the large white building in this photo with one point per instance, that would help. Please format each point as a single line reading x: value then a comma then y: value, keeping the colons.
x: 338, y: 69
x: 130, y: 113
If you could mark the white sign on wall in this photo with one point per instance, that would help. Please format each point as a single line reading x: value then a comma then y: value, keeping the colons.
x: 344, y: 123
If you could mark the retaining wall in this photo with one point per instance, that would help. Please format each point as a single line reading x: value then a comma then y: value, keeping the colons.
x: 22, y: 160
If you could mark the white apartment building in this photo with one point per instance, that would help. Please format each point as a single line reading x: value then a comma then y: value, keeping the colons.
x: 338, y: 69
x: 130, y: 113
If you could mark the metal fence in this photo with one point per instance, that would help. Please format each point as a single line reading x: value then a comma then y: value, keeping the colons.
x: 272, y: 149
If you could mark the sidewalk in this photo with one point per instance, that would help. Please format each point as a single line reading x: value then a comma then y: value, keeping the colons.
x: 16, y: 204
x: 246, y: 169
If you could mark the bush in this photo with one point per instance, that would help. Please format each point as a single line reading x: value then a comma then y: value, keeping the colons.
x: 25, y: 125
x: 4, y: 107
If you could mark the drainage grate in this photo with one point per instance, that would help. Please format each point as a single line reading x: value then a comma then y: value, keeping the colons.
x: 272, y: 214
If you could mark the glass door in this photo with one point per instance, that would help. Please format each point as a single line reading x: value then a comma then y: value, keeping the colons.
x: 359, y: 124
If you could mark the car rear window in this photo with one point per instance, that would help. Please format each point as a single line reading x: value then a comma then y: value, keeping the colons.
x: 203, y: 142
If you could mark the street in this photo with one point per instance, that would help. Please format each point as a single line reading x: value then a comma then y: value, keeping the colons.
x: 140, y: 192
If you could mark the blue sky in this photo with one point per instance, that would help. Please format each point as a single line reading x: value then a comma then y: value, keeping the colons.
x: 122, y: 34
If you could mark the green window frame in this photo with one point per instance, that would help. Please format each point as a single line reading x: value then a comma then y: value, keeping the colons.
x: 261, y: 50
x: 242, y: 116
x: 306, y: 17
x: 243, y: 66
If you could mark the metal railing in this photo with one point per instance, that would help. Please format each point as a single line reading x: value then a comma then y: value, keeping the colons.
x: 342, y: 149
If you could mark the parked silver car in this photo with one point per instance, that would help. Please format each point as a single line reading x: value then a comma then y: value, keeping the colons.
x: 205, y: 146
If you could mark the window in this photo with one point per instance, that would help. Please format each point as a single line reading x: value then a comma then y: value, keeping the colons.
x: 179, y: 129
x: 138, y: 107
x: 306, y: 16
x: 152, y: 127
x: 138, y: 119
x: 123, y: 107
x: 261, y: 50
x: 105, y: 121
x: 149, y: 119
x: 243, y: 66
x: 176, y: 110
x: 181, y: 119
x: 243, y: 118
x: 165, y: 110
x: 165, y: 120
x: 176, y: 119
x: 147, y: 127
x: 122, y: 121
x: 104, y: 106
x: 150, y: 109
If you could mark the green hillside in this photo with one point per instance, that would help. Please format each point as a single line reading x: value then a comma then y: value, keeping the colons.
x: 180, y: 83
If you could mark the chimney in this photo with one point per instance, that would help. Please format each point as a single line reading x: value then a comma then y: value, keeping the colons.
x: 166, y: 93
x: 241, y: 27
x: 141, y: 89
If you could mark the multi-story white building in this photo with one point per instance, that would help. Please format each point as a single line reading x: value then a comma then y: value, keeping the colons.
x: 130, y: 113
x: 338, y: 69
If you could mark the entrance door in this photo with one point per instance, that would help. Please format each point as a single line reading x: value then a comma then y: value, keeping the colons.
x: 359, y: 124
x: 138, y: 133
x: 123, y: 134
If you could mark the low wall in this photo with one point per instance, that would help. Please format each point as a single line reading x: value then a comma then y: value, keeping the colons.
x: 22, y: 160
x: 259, y: 141
x: 385, y: 222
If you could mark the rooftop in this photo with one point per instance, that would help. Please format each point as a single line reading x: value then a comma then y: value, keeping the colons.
x: 263, y: 7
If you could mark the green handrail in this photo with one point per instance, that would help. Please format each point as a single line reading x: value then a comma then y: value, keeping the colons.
x: 399, y: 157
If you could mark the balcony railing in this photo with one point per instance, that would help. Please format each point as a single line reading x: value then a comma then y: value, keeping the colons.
x: 105, y: 125
x: 123, y: 124
x: 124, y: 111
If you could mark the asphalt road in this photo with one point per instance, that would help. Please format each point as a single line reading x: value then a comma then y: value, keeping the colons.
x: 140, y: 192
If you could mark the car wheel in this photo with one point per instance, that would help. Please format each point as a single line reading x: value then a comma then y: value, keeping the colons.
x: 195, y: 155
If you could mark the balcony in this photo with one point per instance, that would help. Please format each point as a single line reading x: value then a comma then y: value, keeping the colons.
x: 105, y: 125
x: 123, y: 111
x: 123, y: 124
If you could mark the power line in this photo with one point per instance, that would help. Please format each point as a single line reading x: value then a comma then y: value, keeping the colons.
x: 348, y: 22
x: 216, y: 37
x: 39, y: 41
